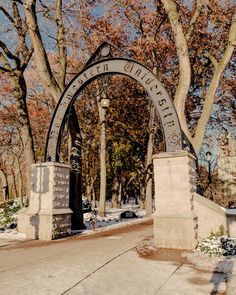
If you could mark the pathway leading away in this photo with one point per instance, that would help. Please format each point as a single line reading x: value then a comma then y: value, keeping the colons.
x: 105, y: 264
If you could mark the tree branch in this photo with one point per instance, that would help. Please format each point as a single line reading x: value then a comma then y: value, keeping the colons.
x: 159, y: 26
x: 212, y: 59
x: 21, y: 30
x: 8, y: 53
x: 210, y: 95
x: 138, y: 28
x: 184, y: 64
x: 17, y: 17
x: 2, y: 69
x: 41, y: 58
x: 26, y: 59
x: 7, y: 15
x: 6, y: 66
x: 61, y: 44
x: 197, y: 12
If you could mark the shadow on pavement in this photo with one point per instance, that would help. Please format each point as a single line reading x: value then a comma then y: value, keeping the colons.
x: 221, y: 274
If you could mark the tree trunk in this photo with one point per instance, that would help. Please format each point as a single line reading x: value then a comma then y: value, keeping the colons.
x: 14, y: 184
x: 56, y: 88
x: 102, y: 199
x: 4, y: 185
x: 44, y: 69
x: 210, y: 94
x: 94, y: 198
x: 61, y: 44
x: 184, y: 64
x: 142, y: 196
x: 88, y: 189
x: 125, y: 194
x: 120, y: 195
x: 20, y: 182
x: 25, y: 128
x: 185, y: 71
x: 89, y: 186
x: 115, y: 192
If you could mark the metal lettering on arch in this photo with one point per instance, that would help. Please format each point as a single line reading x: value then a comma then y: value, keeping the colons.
x: 133, y: 69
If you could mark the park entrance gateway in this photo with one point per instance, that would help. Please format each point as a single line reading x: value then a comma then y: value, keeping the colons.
x: 157, y: 93
x: 54, y: 194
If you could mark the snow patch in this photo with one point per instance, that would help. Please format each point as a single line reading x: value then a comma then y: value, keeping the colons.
x: 12, y: 235
x: 91, y: 220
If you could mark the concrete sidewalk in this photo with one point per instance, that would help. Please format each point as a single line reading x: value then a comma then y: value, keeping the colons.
x: 108, y: 264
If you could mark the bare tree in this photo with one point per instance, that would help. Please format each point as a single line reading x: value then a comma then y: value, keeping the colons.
x: 56, y: 86
x: 13, y: 63
x: 185, y: 68
x: 4, y: 185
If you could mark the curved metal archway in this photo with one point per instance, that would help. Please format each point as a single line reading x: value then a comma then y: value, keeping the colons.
x: 168, y: 117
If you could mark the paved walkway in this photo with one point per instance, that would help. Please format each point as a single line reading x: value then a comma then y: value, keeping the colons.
x: 102, y: 265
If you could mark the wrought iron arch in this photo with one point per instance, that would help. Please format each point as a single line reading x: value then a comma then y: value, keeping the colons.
x: 173, y: 135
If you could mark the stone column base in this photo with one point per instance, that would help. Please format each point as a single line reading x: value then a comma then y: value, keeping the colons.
x: 175, y: 222
x: 45, y: 225
x: 48, y: 215
x: 175, y: 230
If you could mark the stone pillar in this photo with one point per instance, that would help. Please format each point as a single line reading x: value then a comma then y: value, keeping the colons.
x: 175, y: 223
x: 48, y: 215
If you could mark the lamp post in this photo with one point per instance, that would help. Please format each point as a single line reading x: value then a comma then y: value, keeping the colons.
x: 104, y: 104
x: 208, y: 158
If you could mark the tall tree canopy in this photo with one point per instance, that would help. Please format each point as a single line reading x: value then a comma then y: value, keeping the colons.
x: 189, y: 46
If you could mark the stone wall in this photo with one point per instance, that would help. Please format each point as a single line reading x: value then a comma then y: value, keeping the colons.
x: 211, y: 216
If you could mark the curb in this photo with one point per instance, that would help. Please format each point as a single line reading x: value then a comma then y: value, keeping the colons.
x: 121, y: 225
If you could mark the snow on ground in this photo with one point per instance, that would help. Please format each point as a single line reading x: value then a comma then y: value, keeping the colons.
x: 91, y: 221
x: 12, y: 234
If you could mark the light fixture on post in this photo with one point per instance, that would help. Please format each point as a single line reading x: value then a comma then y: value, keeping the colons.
x: 105, y: 101
x: 208, y: 158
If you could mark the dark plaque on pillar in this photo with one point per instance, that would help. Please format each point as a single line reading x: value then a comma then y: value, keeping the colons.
x: 75, y: 202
